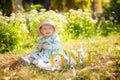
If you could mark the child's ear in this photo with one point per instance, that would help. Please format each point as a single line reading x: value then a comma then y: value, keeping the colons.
x: 37, y: 31
x: 56, y: 31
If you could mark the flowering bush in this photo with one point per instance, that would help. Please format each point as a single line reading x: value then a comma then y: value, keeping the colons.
x: 79, y: 24
x: 12, y: 33
x: 11, y: 37
x: 108, y: 27
x: 74, y: 24
x: 34, y: 18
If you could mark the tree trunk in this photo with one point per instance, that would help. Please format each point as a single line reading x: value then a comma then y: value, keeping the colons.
x: 17, y: 5
x: 98, y: 6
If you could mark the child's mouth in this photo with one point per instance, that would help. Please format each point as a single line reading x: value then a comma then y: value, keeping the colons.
x: 48, y: 33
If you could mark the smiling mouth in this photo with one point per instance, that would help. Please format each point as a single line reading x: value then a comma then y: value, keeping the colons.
x: 47, y: 33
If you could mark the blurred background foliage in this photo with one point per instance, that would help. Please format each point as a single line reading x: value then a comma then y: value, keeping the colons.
x: 112, y: 10
x: 6, y: 6
x: 64, y: 5
x: 107, y: 7
x: 75, y: 19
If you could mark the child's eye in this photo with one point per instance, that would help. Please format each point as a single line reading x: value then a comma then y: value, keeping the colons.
x: 45, y: 29
x: 49, y: 28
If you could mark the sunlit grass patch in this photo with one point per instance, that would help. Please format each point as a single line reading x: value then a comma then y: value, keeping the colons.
x: 108, y: 67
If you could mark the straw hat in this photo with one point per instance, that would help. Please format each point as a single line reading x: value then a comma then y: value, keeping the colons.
x: 47, y: 21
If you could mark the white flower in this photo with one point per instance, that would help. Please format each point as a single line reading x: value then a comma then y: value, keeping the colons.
x: 86, y: 10
x: 111, y: 18
x: 0, y: 13
x: 7, y: 18
x: 13, y: 14
x: 102, y: 18
x: 115, y: 21
x: 79, y: 10
x: 24, y: 28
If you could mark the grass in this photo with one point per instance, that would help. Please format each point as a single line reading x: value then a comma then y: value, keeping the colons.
x: 108, y: 49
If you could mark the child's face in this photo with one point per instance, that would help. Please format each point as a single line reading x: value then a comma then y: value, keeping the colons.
x: 47, y: 30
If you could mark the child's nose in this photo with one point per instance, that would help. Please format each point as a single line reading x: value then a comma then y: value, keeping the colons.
x: 48, y: 30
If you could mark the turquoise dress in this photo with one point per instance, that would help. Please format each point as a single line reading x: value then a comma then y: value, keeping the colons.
x: 53, y: 46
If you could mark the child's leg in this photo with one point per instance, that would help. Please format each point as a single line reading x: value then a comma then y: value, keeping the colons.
x: 35, y: 61
x: 47, y: 66
x: 26, y: 59
x: 35, y: 55
x: 34, y: 58
x: 31, y: 58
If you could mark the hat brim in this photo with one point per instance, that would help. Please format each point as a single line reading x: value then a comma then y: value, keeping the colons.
x: 38, y: 28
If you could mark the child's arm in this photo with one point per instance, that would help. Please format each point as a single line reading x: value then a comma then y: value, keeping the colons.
x: 55, y: 44
x: 39, y: 45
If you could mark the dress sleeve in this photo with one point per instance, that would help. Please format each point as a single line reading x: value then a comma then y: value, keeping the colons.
x: 39, y: 42
x: 55, y: 44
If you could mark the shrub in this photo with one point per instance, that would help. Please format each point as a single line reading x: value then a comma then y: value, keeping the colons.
x: 11, y: 37
x: 108, y: 27
x: 15, y: 30
x: 12, y: 34
x: 79, y: 24
x: 34, y: 18
x: 113, y: 11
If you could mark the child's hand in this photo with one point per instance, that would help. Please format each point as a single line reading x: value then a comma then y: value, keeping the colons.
x: 40, y: 46
x: 44, y: 46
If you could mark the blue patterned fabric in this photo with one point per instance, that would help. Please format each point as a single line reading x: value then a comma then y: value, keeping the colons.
x: 53, y: 46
